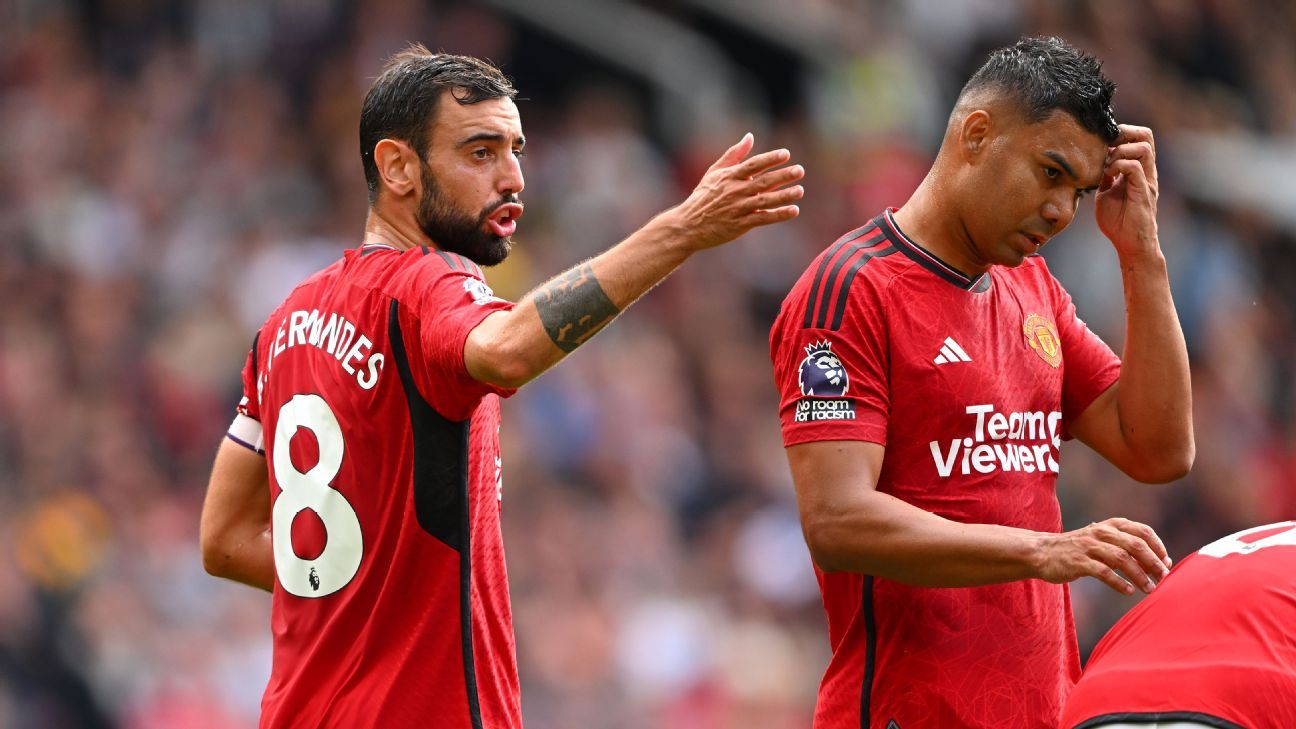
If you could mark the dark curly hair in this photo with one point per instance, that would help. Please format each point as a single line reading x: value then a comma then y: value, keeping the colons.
x: 1048, y: 74
x: 403, y: 100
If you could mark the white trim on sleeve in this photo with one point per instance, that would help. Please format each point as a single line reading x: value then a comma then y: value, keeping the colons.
x: 247, y: 432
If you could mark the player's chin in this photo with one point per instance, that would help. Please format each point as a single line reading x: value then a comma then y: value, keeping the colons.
x: 1011, y: 256
x: 494, y: 249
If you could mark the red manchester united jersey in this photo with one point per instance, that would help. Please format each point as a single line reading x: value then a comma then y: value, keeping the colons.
x: 970, y: 384
x: 391, y: 604
x: 1213, y: 644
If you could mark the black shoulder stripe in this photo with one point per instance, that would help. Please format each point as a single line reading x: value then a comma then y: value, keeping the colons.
x: 457, y: 262
x: 840, y: 309
x: 829, y: 284
x: 255, y: 366
x: 836, y: 247
x: 425, y: 250
x: 463, y: 262
x: 449, y: 261
x: 470, y: 266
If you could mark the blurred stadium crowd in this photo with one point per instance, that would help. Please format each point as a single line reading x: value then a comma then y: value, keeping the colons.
x: 169, y: 170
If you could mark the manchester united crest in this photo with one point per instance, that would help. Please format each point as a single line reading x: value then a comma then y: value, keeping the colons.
x: 1042, y: 337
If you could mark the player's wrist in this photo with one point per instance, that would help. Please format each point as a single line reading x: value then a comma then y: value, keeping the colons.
x: 1141, y: 244
x: 1036, y: 547
x: 1143, y: 258
x: 675, y: 233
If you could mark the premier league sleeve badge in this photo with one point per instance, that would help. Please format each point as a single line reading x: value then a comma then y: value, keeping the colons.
x: 824, y: 383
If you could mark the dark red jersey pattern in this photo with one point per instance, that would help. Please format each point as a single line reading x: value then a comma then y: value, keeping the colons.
x: 1214, y: 643
x: 391, y: 605
x: 970, y: 384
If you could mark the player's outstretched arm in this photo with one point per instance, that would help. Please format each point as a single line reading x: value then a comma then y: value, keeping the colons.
x: 851, y: 527
x: 735, y: 195
x: 235, y: 528
x: 1143, y: 423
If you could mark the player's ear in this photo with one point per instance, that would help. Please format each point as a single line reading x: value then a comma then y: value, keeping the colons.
x: 974, y: 134
x: 398, y: 165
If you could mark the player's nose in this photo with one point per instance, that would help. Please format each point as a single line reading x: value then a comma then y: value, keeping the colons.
x: 511, y: 180
x: 1058, y: 213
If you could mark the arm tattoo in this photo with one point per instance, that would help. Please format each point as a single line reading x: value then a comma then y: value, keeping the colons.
x: 574, y: 307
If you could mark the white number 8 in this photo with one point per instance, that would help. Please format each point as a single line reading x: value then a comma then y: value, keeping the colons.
x: 340, y: 560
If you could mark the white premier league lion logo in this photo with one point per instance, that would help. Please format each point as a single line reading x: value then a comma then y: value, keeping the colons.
x: 480, y: 292
x: 822, y: 373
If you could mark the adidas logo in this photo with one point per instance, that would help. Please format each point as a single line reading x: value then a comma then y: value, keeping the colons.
x: 951, y: 352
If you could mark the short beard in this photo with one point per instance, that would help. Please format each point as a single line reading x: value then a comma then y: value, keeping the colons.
x: 453, y: 230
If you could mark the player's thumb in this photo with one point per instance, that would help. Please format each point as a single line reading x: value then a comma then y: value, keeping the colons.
x: 736, y: 153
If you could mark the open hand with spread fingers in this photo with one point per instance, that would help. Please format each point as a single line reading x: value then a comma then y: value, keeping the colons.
x: 739, y: 193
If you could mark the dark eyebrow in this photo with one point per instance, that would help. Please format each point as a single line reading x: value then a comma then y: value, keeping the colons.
x: 1063, y: 163
x: 491, y: 137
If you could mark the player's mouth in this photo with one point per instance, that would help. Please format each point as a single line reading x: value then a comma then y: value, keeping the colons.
x: 503, y: 220
x: 1034, y: 242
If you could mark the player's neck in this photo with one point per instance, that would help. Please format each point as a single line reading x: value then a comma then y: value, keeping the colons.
x: 927, y: 221
x: 384, y: 228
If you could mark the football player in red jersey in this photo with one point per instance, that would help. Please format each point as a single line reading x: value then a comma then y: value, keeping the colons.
x: 1212, y: 647
x: 929, y: 368
x: 360, y: 478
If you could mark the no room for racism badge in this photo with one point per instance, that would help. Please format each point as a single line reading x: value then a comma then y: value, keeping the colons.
x: 824, y: 382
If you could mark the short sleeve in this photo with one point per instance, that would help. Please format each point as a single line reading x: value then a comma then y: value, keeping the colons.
x: 246, y: 428
x: 1089, y: 365
x: 833, y: 383
x: 452, y: 304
